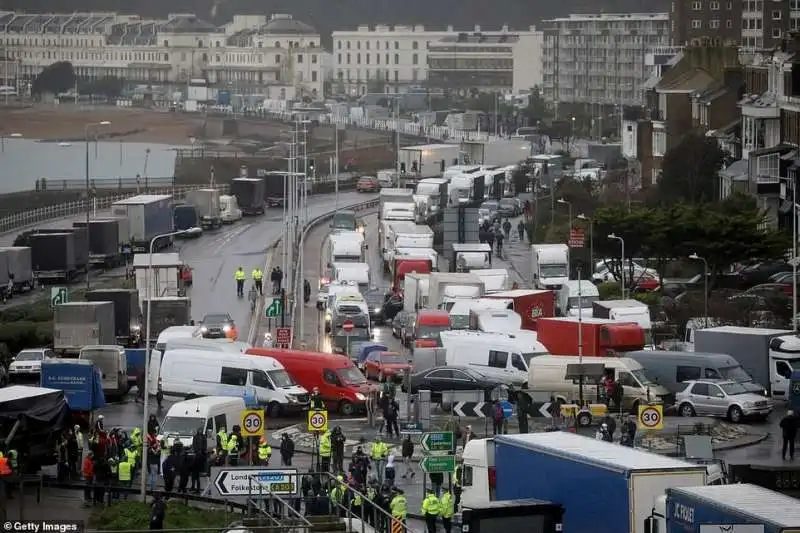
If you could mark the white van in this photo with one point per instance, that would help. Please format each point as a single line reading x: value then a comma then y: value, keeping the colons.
x: 460, y: 312
x: 210, y: 413
x: 170, y: 333
x: 576, y: 297
x: 548, y: 373
x: 352, y: 273
x: 229, y: 209
x: 113, y: 365
x: 193, y: 373
x: 495, y: 321
x: 209, y: 345
x: 494, y: 279
x: 346, y: 247
x: 496, y: 355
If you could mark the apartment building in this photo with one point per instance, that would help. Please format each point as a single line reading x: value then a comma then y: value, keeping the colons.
x: 398, y: 58
x: 276, y: 56
x: 600, y: 58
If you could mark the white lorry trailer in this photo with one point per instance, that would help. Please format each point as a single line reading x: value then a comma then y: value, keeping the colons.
x: 448, y: 287
x: 428, y: 160
x: 550, y: 265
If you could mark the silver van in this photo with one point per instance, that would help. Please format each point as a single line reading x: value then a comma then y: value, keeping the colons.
x: 671, y: 368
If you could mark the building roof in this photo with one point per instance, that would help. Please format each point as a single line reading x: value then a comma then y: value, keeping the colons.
x: 187, y: 24
x: 286, y: 25
x: 711, y: 93
x: 476, y: 38
x: 690, y: 81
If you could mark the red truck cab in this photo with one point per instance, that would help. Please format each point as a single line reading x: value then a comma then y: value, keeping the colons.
x: 400, y: 267
x: 530, y: 304
x: 341, y: 384
x: 430, y: 323
x: 601, y: 337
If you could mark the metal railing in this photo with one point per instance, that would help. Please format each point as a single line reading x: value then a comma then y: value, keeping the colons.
x: 33, y: 217
x: 79, y: 184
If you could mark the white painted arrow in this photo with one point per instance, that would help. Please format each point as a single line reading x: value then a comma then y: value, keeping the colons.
x: 479, y: 409
x: 545, y: 410
x: 457, y: 409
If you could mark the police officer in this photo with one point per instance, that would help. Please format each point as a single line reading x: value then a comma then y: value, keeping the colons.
x: 378, y: 454
x: 264, y: 452
x: 430, y: 510
x: 125, y: 475
x: 233, y: 447
x: 258, y: 276
x: 325, y: 452
x: 316, y: 400
x: 398, y: 505
x: 222, y: 443
x: 447, y: 509
x: 240, y: 276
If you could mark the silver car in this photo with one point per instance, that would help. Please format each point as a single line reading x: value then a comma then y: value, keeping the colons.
x: 729, y: 399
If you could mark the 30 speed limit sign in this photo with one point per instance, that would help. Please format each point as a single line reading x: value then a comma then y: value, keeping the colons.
x: 318, y: 420
x: 252, y: 423
x: 651, y: 417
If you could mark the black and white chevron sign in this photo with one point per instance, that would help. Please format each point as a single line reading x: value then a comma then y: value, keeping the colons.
x: 473, y: 409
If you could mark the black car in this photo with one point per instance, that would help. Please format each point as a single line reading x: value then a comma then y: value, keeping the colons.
x: 392, y: 304
x: 216, y: 325
x: 760, y: 272
x: 403, y: 326
x: 375, y: 299
x: 452, y: 378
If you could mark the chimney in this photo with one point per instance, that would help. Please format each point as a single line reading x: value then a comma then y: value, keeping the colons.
x: 477, y: 28
x: 504, y: 29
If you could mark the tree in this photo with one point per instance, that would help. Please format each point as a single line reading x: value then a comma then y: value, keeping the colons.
x: 537, y: 109
x: 56, y: 78
x: 109, y: 86
x: 689, y: 171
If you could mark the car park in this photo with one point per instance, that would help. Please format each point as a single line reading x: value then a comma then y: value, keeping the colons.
x: 727, y: 399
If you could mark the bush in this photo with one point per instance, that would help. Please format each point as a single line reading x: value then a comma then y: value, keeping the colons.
x: 609, y: 290
x: 135, y: 516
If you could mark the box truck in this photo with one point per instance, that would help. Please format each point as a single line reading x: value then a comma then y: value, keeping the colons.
x: 20, y: 267
x: 249, y: 193
x: 623, y: 483
x: 427, y: 160
x: 79, y: 324
x: 600, y: 336
x: 104, y: 241
x: 53, y: 256
x: 550, y: 265
x: 80, y: 381
x: 207, y: 203
x: 149, y: 215
x: 127, y: 315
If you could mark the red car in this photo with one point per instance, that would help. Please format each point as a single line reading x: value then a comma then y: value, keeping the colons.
x: 383, y: 366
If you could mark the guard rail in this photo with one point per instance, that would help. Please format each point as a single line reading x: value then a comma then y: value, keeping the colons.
x: 37, y: 216
x: 297, y: 284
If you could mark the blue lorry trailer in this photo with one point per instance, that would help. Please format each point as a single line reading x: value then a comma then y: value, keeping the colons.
x: 699, y: 509
x: 604, y: 487
x: 80, y: 382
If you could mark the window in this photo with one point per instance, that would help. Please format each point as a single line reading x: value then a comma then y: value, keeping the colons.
x: 442, y: 373
x: 348, y: 45
x: 498, y: 359
x: 776, y: 14
x: 711, y: 373
x: 415, y: 59
x: 277, y: 58
x: 299, y: 58
x: 729, y: 23
x: 358, y: 59
x: 313, y: 75
x: 233, y: 376
x: 220, y: 422
x: 358, y: 45
x: 700, y: 389
x: 729, y: 6
x: 339, y: 58
x: 397, y: 59
x: 713, y: 24
x: 686, y: 373
x: 314, y: 59
x: 714, y: 5
x: 329, y: 376
x: 697, y: 6
x: 259, y: 379
x: 415, y: 45
x: 397, y: 45
x: 340, y: 45
x: 783, y: 369
x: 518, y: 363
x: 461, y: 376
x: 697, y: 24
x: 466, y: 476
x: 348, y: 58
x: 626, y: 380
x: 715, y: 392
x: 776, y: 33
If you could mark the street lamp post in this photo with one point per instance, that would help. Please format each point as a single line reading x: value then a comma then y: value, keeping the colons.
x: 148, y: 351
x: 88, y: 189
x: 613, y: 236
x: 696, y: 257
x: 3, y: 139
x: 591, y: 239
x: 569, y: 210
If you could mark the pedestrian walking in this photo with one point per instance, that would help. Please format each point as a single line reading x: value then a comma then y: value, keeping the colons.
x: 789, y: 425
x: 521, y: 230
x: 507, y: 229
x: 499, y: 240
x: 497, y: 418
x: 490, y: 241
x: 286, y: 449
x: 407, y: 451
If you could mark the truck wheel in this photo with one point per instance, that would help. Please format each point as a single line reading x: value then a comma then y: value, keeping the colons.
x: 347, y: 408
x: 735, y: 414
x: 274, y: 410
x: 584, y: 420
x: 687, y: 410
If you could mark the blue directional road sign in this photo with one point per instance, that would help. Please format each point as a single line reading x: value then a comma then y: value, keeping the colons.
x: 507, y: 409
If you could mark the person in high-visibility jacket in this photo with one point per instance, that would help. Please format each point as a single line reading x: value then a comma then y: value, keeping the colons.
x: 232, y: 447
x: 125, y: 475
x: 398, y: 505
x: 336, y: 496
x: 325, y: 451
x: 240, y: 276
x: 136, y: 439
x: 258, y: 277
x: 222, y: 440
x: 264, y: 452
x: 355, y: 503
x: 457, y: 475
x: 378, y: 453
x: 447, y: 510
x: 430, y: 510
x: 5, y: 466
x: 13, y: 459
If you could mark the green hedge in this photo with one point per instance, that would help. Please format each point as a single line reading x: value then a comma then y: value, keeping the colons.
x: 135, y: 516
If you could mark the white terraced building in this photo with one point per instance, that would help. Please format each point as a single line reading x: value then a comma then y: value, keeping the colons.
x: 277, y: 56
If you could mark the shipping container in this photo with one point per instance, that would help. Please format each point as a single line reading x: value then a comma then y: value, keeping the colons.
x: 167, y: 311
x: 53, y: 255
x: 249, y: 193
x: 78, y: 380
x: 208, y: 207
x: 80, y: 324
x: 149, y: 216
x: 530, y: 304
x: 730, y: 508
x: 81, y: 243
x: 127, y: 315
x: 601, y: 337
x: 20, y: 267
x: 104, y: 243
x: 618, y: 485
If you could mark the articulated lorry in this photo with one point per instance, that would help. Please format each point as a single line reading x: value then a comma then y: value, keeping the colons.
x: 207, y: 203
x: 81, y: 383
x: 249, y: 193
x: 80, y: 324
x: 149, y: 215
x: 446, y: 288
x: 396, y: 204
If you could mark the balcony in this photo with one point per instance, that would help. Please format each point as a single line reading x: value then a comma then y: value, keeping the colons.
x: 763, y: 106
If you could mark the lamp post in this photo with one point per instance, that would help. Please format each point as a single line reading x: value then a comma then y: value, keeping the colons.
x: 581, y: 216
x: 148, y: 351
x: 3, y: 139
x: 88, y: 194
x: 696, y: 257
x: 615, y: 237
x: 569, y: 210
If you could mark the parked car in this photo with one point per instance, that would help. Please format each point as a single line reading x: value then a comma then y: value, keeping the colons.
x: 367, y: 184
x: 403, y: 327
x: 760, y: 272
x: 392, y: 305
x: 452, y: 378
x: 727, y: 399
x: 507, y: 208
x: 383, y: 366
x: 28, y: 363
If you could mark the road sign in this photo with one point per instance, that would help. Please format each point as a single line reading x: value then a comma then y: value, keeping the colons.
x: 232, y: 482
x: 541, y: 409
x: 438, y: 441
x: 252, y: 423
x: 274, y: 309
x: 347, y: 326
x: 412, y: 428
x: 318, y: 420
x: 433, y: 464
x: 577, y: 237
x: 283, y: 335
x: 58, y: 296
x: 473, y: 409
x: 507, y: 409
x: 651, y: 417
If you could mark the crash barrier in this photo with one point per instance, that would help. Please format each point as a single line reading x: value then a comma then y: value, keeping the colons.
x: 44, y: 214
x: 297, y: 278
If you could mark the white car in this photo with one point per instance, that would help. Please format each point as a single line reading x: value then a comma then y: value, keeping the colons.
x: 602, y: 274
x: 28, y: 363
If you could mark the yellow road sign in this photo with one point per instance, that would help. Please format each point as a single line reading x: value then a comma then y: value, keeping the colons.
x: 318, y: 420
x: 651, y: 417
x: 253, y: 424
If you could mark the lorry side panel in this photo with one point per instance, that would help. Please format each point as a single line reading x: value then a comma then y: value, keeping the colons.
x: 523, y: 473
x: 686, y: 515
x: 646, y: 487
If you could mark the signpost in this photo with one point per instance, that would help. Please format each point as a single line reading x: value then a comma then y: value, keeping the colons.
x: 577, y: 237
x: 433, y: 464
x: 252, y: 423
x: 347, y: 327
x: 318, y: 420
x: 240, y: 484
x: 651, y: 417
x: 274, y: 309
x: 412, y: 428
x: 438, y: 442
x: 58, y: 296
x: 283, y: 336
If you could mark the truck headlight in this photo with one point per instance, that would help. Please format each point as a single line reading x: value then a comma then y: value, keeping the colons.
x: 292, y: 399
x: 376, y: 310
x: 360, y: 397
x: 226, y: 328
